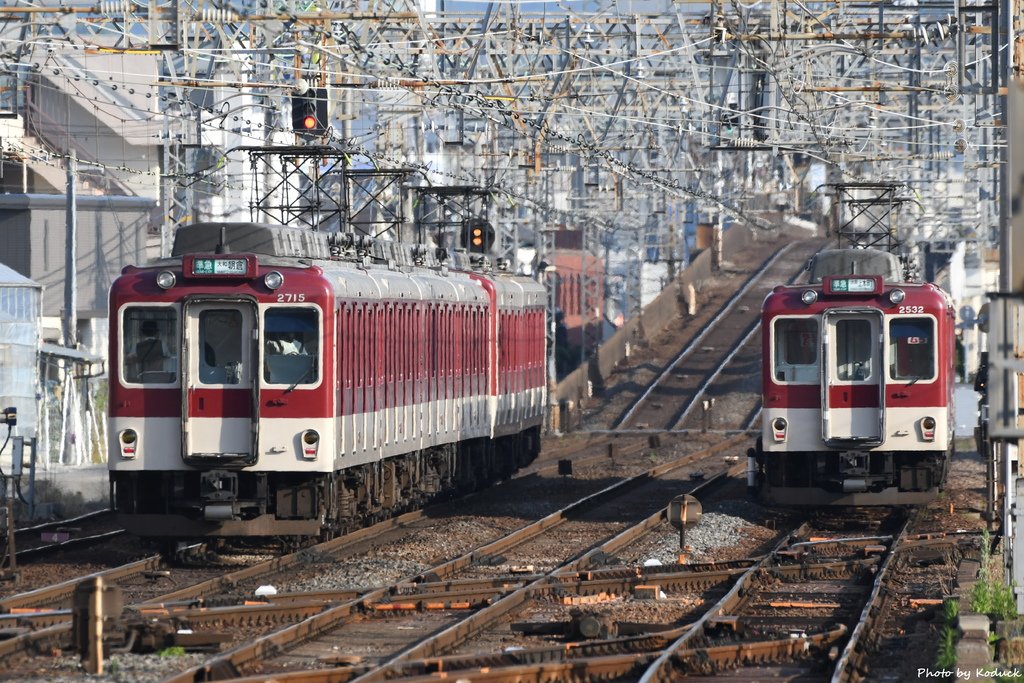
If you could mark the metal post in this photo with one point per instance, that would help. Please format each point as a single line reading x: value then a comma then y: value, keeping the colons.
x: 94, y: 664
x: 12, y: 554
x: 32, y: 480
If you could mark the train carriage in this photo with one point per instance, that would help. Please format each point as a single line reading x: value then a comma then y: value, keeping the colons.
x: 265, y: 382
x: 857, y: 380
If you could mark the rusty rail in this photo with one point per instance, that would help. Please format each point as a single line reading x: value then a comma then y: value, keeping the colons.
x: 232, y: 662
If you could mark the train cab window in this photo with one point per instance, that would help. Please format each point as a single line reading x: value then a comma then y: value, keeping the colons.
x: 854, y: 349
x: 149, y: 346
x: 796, y: 350
x: 291, y: 346
x: 912, y: 348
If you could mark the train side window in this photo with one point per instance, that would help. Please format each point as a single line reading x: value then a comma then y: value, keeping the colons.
x: 912, y: 348
x: 148, y: 345
x: 291, y: 346
x: 796, y: 350
x: 854, y: 349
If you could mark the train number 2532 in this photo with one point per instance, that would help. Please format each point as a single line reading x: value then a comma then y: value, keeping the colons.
x: 290, y: 298
x: 903, y: 309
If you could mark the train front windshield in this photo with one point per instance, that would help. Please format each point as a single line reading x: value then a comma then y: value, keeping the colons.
x: 291, y: 346
x: 912, y: 349
x: 149, y: 346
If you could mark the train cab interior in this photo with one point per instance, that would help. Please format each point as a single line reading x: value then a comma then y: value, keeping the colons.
x: 291, y: 346
x: 150, y: 345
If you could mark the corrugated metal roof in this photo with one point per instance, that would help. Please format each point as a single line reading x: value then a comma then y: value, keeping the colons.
x: 65, y: 352
x: 12, y: 278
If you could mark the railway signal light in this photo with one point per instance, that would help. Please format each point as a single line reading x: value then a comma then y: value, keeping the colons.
x: 478, y: 236
x: 309, y: 112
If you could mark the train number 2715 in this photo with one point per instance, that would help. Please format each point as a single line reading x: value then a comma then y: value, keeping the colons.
x: 290, y: 298
x: 903, y: 309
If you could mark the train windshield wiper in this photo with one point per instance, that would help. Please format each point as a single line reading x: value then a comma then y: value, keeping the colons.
x: 915, y: 380
x: 305, y: 376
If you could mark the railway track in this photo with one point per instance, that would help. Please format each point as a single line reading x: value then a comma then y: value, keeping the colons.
x: 86, y: 530
x: 673, y: 399
x: 792, y: 611
x: 149, y: 584
x: 499, y: 563
x: 444, y: 617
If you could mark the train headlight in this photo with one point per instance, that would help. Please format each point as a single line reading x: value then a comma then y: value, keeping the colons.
x: 897, y: 296
x: 808, y: 296
x: 165, y: 279
x: 129, y: 441
x: 273, y: 280
x: 310, y: 444
x: 928, y: 428
x: 779, y: 426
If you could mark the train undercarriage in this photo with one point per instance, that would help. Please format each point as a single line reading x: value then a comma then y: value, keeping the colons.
x: 850, y: 477
x: 194, y: 504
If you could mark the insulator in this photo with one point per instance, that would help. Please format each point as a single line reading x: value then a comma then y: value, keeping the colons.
x: 745, y: 142
x: 113, y: 7
x: 216, y: 15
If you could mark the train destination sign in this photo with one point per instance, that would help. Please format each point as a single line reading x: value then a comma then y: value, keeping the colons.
x: 853, y: 284
x: 211, y: 266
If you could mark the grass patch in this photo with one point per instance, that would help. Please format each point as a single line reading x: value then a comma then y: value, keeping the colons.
x: 990, y: 596
x: 946, y: 658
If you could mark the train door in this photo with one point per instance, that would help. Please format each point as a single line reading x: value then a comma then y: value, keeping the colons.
x: 852, y: 385
x: 218, y: 384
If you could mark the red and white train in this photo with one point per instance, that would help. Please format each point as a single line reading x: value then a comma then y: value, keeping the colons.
x: 273, y: 381
x: 857, y: 378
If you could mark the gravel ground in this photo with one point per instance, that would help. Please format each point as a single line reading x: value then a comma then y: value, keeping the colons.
x: 118, y: 669
x: 910, y: 636
x: 728, y: 530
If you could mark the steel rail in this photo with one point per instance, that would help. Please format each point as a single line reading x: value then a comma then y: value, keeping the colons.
x: 659, y: 669
x: 453, y: 635
x: 523, y: 665
x: 62, y: 591
x: 231, y: 662
x: 724, y: 311
x: 846, y: 668
x: 69, y: 544
x: 725, y: 610
x: 754, y: 328
x: 57, y: 623
x: 57, y: 524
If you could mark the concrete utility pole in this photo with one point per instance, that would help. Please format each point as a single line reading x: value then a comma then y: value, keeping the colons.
x: 70, y: 252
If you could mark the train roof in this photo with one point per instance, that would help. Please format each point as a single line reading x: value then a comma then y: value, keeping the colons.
x: 254, y: 238
x: 855, y: 262
x: 337, y: 253
x: 285, y: 242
